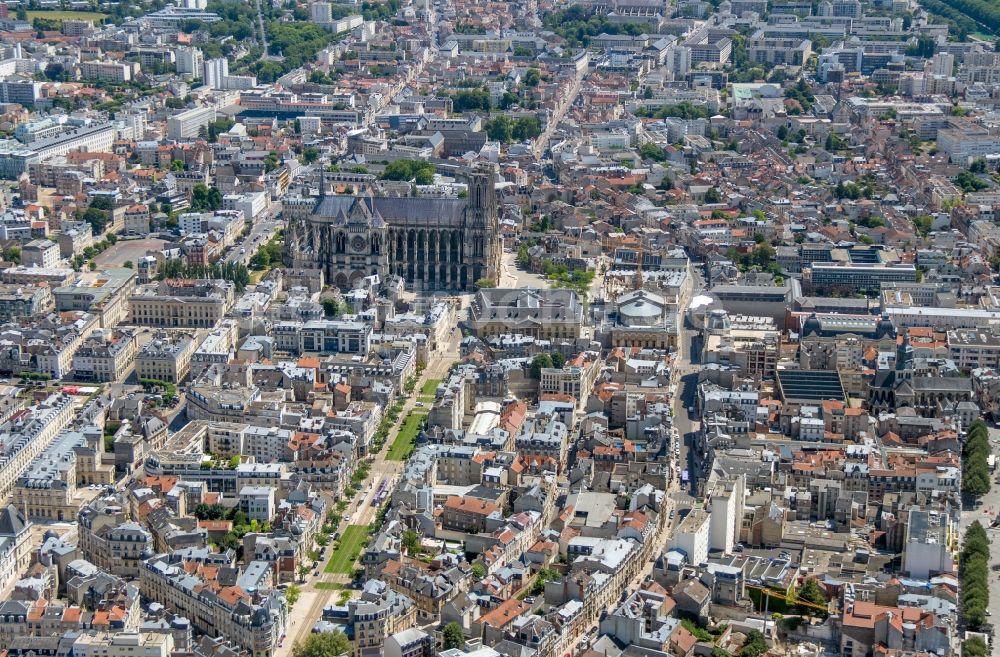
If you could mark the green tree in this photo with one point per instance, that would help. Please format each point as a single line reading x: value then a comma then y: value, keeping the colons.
x: 651, y: 151
x: 922, y: 224
x: 478, y: 570
x: 325, y: 644
x: 500, y: 128
x: 525, y: 128
x: 974, y: 646
x: 558, y: 360
x: 420, y: 172
x: 310, y: 155
x: 538, y: 363
x: 471, y: 99
x: 811, y: 592
x: 331, y: 307
x: 292, y: 594
x: 411, y: 541
x: 713, y: 196
x: 754, y: 646
x: 532, y: 77
x: 484, y: 283
x: 452, y: 636
x: 271, y: 162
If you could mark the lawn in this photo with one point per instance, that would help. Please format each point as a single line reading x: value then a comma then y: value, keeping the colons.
x: 343, y: 558
x: 430, y: 386
x: 407, y: 437
x: 64, y: 15
x: 328, y: 586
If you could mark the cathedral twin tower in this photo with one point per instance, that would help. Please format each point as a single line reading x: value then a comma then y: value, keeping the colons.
x: 432, y: 243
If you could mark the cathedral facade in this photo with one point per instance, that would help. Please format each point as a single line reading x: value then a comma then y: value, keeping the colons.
x: 432, y: 243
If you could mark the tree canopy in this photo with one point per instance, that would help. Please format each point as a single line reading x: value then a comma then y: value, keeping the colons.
x: 324, y: 644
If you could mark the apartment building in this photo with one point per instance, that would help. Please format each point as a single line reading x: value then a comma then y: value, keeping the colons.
x: 254, y: 621
x: 200, y: 303
x: 467, y: 514
x: 409, y: 643
x: 709, y: 46
x: 190, y: 62
x: 20, y: 92
x: 40, y: 253
x: 47, y: 488
x: 74, y: 238
x: 21, y: 301
x: 27, y: 434
x: 792, y: 52
x: 257, y: 502
x: 543, y: 436
x: 107, y: 355
x: 573, y: 380
x: 111, y: 540
x: 379, y: 613
x: 15, y: 546
x: 974, y: 348
x: 167, y: 357
x: 217, y: 347
x: 109, y: 71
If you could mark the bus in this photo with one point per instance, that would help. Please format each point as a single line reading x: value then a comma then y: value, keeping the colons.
x: 684, y: 477
x: 383, y: 490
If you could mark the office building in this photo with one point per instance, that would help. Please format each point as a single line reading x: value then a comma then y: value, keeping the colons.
x: 187, y: 124
x: 857, y: 277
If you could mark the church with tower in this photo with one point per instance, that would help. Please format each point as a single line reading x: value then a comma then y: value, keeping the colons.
x: 434, y: 244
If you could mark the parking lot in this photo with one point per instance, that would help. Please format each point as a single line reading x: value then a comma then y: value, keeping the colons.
x: 127, y: 251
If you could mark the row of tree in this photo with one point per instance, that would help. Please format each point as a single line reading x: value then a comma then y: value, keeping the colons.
x: 974, y: 575
x: 985, y: 12
x: 975, y: 456
x: 234, y: 272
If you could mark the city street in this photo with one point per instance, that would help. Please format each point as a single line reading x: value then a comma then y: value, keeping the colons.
x: 361, y: 511
x: 260, y: 232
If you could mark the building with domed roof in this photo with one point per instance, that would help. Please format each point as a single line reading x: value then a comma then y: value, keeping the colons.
x: 644, y: 319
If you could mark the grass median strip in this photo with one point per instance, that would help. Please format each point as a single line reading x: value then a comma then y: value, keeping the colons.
x: 350, y: 545
x: 328, y: 586
x: 402, y: 447
x: 430, y: 387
